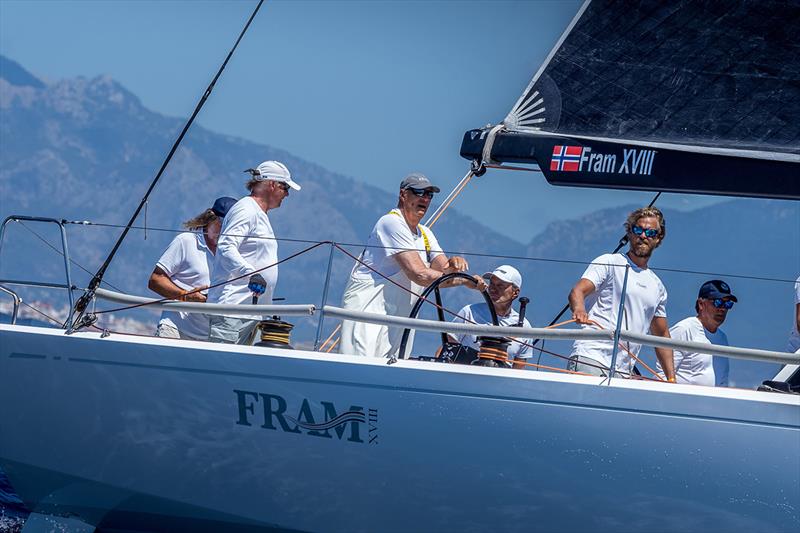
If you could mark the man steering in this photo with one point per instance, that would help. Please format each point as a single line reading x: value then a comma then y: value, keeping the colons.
x: 505, y: 283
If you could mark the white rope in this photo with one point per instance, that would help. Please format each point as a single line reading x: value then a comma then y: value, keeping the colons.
x: 486, y: 156
x: 433, y: 216
x: 561, y: 334
x: 205, y: 308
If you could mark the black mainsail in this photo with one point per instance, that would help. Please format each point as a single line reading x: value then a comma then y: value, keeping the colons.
x: 682, y: 96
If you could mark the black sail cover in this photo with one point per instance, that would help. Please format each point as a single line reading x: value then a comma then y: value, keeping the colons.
x: 682, y: 96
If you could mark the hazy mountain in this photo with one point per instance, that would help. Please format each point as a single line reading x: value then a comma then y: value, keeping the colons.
x: 86, y: 149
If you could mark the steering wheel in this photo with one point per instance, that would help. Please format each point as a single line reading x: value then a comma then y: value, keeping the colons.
x: 434, y: 287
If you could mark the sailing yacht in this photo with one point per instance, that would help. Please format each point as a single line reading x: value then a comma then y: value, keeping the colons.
x: 123, y: 432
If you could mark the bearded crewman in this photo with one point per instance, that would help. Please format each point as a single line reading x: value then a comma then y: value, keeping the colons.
x: 595, y: 299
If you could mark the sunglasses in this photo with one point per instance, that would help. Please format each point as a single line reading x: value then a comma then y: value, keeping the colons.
x: 426, y: 193
x: 719, y: 303
x: 284, y: 186
x: 649, y: 233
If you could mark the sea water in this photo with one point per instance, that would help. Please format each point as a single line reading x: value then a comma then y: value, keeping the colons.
x: 12, y: 511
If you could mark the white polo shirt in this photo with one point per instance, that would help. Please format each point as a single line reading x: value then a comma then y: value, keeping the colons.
x: 478, y: 313
x: 246, y: 244
x: 698, y: 368
x: 645, y: 299
x: 391, y: 235
x: 187, y: 261
x: 794, y: 337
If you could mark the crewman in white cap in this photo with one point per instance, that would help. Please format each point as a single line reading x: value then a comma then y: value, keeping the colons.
x: 505, y: 283
x: 408, y: 254
x: 246, y: 247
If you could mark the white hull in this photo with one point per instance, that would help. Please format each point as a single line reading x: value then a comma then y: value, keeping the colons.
x: 152, y: 433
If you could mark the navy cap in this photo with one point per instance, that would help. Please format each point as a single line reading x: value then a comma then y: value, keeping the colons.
x: 222, y: 205
x: 716, y: 288
x: 416, y: 180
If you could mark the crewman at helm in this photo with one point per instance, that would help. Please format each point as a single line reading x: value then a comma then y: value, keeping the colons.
x: 408, y: 254
x: 505, y: 283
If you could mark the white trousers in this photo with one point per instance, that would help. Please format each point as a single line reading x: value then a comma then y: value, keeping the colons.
x: 383, y: 297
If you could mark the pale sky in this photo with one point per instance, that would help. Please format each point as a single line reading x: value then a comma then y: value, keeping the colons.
x: 373, y: 90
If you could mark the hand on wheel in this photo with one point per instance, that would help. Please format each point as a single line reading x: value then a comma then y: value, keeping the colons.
x: 480, y: 283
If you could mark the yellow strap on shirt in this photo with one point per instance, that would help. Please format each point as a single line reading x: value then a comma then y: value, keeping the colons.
x: 422, y: 231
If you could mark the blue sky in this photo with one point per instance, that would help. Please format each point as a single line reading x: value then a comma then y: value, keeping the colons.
x: 373, y: 90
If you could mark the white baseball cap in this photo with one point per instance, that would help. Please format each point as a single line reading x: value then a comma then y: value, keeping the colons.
x: 275, y: 171
x: 506, y: 273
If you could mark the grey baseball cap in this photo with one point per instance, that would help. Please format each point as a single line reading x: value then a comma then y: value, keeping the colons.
x: 417, y: 180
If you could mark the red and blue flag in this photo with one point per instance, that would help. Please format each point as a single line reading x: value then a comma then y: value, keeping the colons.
x: 566, y: 158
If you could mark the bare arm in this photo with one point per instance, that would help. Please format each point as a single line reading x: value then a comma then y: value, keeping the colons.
x: 415, y: 270
x: 163, y: 286
x: 457, y: 264
x: 413, y: 267
x: 660, y: 327
x: 440, y: 263
x: 577, y: 300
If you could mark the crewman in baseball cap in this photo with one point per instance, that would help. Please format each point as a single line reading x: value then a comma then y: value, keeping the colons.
x: 505, y: 283
x: 714, y: 301
x: 247, y: 256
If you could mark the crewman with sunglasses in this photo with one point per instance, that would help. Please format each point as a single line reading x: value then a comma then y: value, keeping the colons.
x: 401, y: 257
x: 713, y: 303
x: 600, y: 288
x: 246, y: 263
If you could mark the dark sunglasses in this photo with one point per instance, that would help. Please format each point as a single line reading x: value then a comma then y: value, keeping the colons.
x: 719, y: 303
x: 426, y: 193
x: 649, y: 233
x: 284, y: 186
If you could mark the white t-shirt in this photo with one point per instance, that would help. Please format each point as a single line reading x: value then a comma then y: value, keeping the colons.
x: 794, y: 338
x: 646, y: 298
x: 391, y: 235
x: 478, y: 313
x: 187, y: 261
x: 698, y: 368
x: 246, y: 244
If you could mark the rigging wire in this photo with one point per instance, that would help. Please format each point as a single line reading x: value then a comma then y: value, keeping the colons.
x: 470, y: 254
x: 449, y: 199
x: 198, y: 289
x: 61, y: 253
x: 48, y: 317
x: 464, y: 318
x: 83, y: 301
x: 336, y: 342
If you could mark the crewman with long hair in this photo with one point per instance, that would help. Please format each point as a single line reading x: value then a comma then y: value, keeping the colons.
x: 185, y: 266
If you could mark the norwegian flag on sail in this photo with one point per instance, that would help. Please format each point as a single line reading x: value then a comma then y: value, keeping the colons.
x: 566, y: 158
